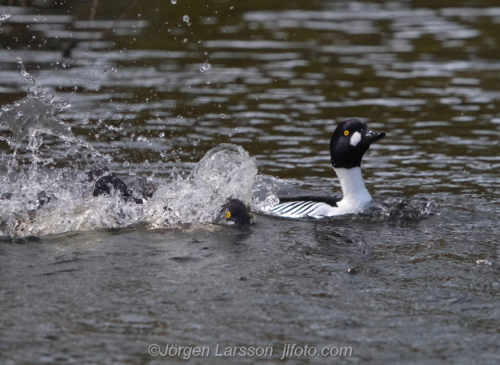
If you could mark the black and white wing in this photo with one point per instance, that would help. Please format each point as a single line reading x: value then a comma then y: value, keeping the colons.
x: 301, y: 207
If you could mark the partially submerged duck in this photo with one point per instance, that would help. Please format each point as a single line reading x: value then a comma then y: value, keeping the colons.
x: 234, y: 211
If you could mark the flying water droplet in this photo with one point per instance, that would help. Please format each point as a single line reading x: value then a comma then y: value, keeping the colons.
x: 27, y: 77
x: 205, y: 67
x: 185, y: 18
x: 5, y: 15
x: 173, y: 1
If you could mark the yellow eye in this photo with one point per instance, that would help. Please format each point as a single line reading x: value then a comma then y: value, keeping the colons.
x: 346, y: 133
x: 228, y: 214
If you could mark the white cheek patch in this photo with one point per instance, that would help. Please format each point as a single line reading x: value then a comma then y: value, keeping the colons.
x: 356, y: 137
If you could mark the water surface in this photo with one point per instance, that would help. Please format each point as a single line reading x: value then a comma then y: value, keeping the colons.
x: 147, y: 92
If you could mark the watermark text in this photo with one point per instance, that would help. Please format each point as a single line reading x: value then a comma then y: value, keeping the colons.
x: 289, y: 350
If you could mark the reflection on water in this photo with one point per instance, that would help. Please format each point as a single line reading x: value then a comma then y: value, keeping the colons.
x: 153, y: 86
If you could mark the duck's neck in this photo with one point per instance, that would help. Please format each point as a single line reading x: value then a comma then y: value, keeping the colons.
x: 353, y: 187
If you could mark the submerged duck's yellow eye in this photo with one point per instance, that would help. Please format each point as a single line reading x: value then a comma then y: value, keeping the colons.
x: 228, y: 214
x: 346, y: 133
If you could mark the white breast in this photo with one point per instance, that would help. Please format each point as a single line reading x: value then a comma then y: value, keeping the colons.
x: 356, y: 197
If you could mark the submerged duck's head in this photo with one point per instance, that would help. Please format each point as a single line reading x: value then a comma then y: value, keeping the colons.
x: 237, y: 212
x: 350, y: 141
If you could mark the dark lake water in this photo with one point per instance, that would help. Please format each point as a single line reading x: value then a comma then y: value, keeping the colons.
x: 149, y: 87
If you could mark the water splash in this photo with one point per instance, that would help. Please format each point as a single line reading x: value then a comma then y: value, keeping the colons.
x: 33, y: 88
x: 51, y: 202
x: 30, y: 117
x: 265, y: 193
x: 226, y: 171
x: 33, y: 116
x: 400, y: 208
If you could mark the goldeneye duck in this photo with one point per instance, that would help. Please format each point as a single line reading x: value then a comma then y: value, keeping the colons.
x: 350, y: 140
x: 107, y: 182
x: 236, y: 212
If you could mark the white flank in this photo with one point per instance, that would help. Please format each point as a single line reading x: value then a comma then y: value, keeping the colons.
x: 355, y: 198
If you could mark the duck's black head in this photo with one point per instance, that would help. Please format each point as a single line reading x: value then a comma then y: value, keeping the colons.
x: 237, y: 212
x: 350, y: 141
